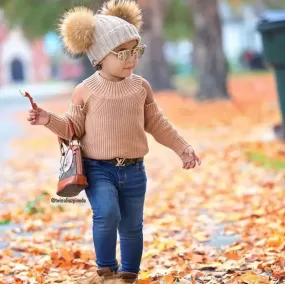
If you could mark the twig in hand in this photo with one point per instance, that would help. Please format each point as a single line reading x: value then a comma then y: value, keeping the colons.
x: 34, y: 105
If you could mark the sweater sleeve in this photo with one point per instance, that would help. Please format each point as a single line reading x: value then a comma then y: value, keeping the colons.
x: 58, y: 124
x: 161, y: 129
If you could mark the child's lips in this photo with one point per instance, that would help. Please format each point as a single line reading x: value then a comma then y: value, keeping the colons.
x: 129, y: 68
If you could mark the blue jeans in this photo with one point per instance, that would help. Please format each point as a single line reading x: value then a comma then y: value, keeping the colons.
x: 117, y: 195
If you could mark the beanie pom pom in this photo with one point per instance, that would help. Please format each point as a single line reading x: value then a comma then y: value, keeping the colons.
x: 76, y: 28
x: 124, y: 9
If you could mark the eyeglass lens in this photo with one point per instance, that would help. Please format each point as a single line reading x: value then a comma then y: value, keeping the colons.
x: 125, y: 54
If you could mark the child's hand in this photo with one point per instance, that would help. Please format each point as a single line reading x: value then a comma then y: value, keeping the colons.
x: 189, y: 159
x: 38, y: 116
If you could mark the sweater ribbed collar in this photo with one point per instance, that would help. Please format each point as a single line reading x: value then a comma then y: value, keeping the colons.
x: 102, y: 86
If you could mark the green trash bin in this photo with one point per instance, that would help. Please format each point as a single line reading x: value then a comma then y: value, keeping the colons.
x: 272, y: 29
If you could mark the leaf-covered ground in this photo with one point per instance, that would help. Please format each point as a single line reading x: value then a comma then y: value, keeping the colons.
x: 222, y: 222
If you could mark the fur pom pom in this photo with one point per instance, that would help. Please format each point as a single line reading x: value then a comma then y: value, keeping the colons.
x: 77, y: 30
x: 124, y: 9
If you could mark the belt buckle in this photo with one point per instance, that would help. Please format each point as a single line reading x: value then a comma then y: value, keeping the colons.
x: 120, y: 162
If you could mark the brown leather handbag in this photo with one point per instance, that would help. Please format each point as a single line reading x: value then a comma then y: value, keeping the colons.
x: 72, y: 179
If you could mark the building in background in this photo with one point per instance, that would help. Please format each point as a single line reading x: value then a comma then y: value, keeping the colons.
x: 241, y: 41
x: 21, y: 61
x: 63, y: 67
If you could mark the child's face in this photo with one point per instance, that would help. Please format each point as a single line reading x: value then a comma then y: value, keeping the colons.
x: 122, y: 68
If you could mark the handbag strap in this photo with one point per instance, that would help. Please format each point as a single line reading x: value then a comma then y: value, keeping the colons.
x: 70, y: 126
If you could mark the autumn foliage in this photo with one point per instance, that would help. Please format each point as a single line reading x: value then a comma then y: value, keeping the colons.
x: 222, y: 222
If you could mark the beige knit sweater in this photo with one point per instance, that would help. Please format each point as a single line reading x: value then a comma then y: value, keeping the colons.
x: 113, y: 121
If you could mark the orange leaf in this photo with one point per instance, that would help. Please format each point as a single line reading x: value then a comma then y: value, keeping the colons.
x: 40, y: 269
x: 180, y: 261
x: 233, y: 255
x: 279, y: 274
x: 56, y: 263
x: 84, y: 255
x: 5, y: 269
x: 54, y: 255
x: 40, y: 279
x: 197, y: 258
x: 66, y: 255
x: 168, y: 279
x: 275, y: 241
x: 7, y: 252
x: 66, y: 265
x: 252, y: 278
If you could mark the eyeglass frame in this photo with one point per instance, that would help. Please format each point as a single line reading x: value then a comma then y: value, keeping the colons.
x: 117, y: 53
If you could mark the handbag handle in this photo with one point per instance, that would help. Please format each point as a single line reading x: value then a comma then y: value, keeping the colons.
x: 61, y: 140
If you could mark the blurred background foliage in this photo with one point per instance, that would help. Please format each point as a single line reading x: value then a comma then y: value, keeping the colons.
x: 195, y: 23
x: 40, y: 17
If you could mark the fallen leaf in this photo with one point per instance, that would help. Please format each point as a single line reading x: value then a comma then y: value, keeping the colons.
x: 252, y: 278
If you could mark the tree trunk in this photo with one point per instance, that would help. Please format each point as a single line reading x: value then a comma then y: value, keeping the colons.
x: 209, y: 59
x: 153, y: 66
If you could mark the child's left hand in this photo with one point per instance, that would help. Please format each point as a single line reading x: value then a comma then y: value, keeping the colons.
x: 189, y: 159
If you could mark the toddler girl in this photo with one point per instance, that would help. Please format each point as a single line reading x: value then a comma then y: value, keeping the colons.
x: 111, y: 111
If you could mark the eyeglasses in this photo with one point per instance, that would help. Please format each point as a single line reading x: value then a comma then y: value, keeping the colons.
x: 137, y: 52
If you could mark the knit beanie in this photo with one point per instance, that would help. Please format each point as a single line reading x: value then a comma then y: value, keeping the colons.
x: 83, y: 32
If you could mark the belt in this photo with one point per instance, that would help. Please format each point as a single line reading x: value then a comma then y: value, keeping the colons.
x: 120, y: 162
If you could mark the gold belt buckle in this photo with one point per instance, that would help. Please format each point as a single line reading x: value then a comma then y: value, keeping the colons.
x: 120, y: 162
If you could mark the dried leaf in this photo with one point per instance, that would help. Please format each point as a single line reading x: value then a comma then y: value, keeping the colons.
x: 252, y: 278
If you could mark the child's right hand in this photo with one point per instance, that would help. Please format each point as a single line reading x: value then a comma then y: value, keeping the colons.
x: 38, y: 116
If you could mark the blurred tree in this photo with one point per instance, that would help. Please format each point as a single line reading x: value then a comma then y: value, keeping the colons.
x: 163, y: 19
x: 178, y: 21
x: 38, y: 17
x: 153, y: 65
x: 209, y: 59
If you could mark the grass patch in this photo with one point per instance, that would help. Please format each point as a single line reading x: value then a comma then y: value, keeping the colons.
x: 265, y: 161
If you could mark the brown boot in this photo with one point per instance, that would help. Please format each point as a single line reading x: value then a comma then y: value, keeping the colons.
x: 104, y: 275
x: 128, y: 277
